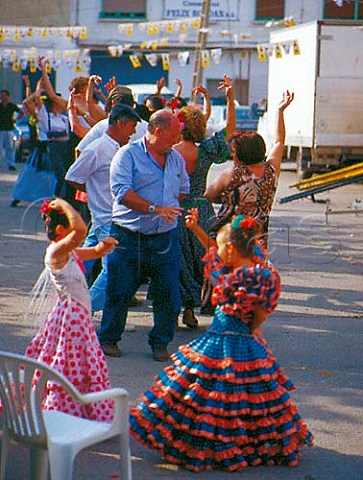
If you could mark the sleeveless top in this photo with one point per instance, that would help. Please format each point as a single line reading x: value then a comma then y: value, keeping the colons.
x: 255, y: 195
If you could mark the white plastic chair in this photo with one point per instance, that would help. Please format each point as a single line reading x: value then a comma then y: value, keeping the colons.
x: 53, y: 436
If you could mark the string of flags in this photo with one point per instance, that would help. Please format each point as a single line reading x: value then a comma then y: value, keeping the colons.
x: 284, y: 22
x: 214, y: 54
x: 18, y: 33
x: 20, y: 59
x: 277, y: 49
x: 155, y: 28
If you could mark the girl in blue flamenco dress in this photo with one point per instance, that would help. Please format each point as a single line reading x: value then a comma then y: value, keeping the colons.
x: 224, y: 403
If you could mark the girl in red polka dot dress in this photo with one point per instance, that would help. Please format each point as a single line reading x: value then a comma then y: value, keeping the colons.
x: 66, y: 339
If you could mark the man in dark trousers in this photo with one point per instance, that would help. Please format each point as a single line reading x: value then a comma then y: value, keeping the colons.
x: 148, y: 179
x: 7, y: 110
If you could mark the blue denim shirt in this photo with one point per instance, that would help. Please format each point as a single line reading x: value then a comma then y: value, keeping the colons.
x: 133, y: 168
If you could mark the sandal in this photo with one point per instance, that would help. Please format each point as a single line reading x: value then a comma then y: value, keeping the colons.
x: 189, y: 319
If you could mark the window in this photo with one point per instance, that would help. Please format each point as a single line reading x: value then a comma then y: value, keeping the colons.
x: 267, y: 9
x: 350, y: 10
x: 123, y: 9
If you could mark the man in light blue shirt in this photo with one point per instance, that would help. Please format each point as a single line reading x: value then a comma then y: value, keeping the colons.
x: 91, y: 173
x: 148, y: 180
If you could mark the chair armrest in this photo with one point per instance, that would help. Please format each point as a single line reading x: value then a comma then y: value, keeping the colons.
x: 115, y: 393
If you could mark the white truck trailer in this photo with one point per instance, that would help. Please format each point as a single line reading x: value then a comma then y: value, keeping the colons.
x: 324, y: 125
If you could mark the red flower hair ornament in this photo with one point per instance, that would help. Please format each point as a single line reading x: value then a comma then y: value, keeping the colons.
x: 45, y: 208
x: 240, y: 221
x: 182, y: 119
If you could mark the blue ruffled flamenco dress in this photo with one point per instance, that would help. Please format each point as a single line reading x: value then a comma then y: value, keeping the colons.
x: 224, y: 403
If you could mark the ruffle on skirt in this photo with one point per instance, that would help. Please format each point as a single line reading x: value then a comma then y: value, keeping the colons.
x: 69, y: 344
x: 223, y: 405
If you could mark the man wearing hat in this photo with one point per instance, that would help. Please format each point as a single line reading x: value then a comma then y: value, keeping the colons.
x: 91, y: 173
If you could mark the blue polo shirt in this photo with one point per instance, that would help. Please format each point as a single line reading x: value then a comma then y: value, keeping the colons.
x: 133, y: 168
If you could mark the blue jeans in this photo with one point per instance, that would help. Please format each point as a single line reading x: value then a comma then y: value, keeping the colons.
x: 6, y: 142
x: 137, y: 256
x: 90, y: 241
x: 98, y: 288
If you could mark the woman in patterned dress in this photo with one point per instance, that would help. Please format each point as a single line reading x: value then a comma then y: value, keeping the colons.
x: 224, y: 403
x: 199, y: 154
x: 66, y: 339
x: 252, y: 180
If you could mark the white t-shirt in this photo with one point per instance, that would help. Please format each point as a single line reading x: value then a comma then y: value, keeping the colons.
x: 92, y: 168
x: 101, y: 127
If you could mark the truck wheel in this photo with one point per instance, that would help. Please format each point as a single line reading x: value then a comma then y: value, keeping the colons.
x: 302, y: 162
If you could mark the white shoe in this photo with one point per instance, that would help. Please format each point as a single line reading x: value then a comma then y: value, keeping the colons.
x: 129, y: 327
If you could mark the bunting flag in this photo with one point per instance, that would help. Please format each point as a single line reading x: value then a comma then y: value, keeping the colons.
x: 20, y: 59
x: 129, y: 29
x: 17, y: 33
x: 165, y: 58
x: 216, y: 54
x: 261, y: 53
x: 32, y: 65
x: 135, y: 61
x: 183, y: 58
x: 155, y: 28
x: 296, y: 47
x: 152, y: 58
x: 286, y: 47
x: 16, y: 65
x: 205, y: 58
x: 278, y: 50
x: 79, y: 66
x: 113, y: 50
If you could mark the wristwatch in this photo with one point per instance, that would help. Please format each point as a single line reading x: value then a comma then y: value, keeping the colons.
x: 151, y: 208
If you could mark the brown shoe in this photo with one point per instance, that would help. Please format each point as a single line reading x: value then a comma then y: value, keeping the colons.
x: 161, y: 354
x: 189, y: 319
x: 111, y: 350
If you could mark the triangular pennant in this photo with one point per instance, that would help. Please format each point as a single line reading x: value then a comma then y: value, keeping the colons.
x: 183, y: 58
x: 165, y: 61
x: 135, y: 61
x: 16, y: 64
x: 83, y: 33
x: 152, y: 58
x: 216, y: 54
x: 261, y: 53
x: 205, y: 58
x: 296, y: 47
x: 278, y: 50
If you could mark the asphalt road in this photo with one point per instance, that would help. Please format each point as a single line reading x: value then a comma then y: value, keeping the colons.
x: 316, y: 334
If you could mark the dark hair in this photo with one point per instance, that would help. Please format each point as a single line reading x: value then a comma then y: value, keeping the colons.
x: 48, y: 104
x: 156, y: 102
x: 176, y: 102
x: 122, y: 112
x: 243, y: 238
x: 52, y: 219
x: 248, y: 146
x: 143, y: 111
x: 5, y: 91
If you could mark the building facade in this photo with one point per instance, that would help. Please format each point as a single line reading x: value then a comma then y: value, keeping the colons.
x: 139, y: 41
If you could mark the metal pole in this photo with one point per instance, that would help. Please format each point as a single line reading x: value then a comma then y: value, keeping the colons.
x: 202, y: 41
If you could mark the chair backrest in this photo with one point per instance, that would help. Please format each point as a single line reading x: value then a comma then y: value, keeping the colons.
x: 22, y: 384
